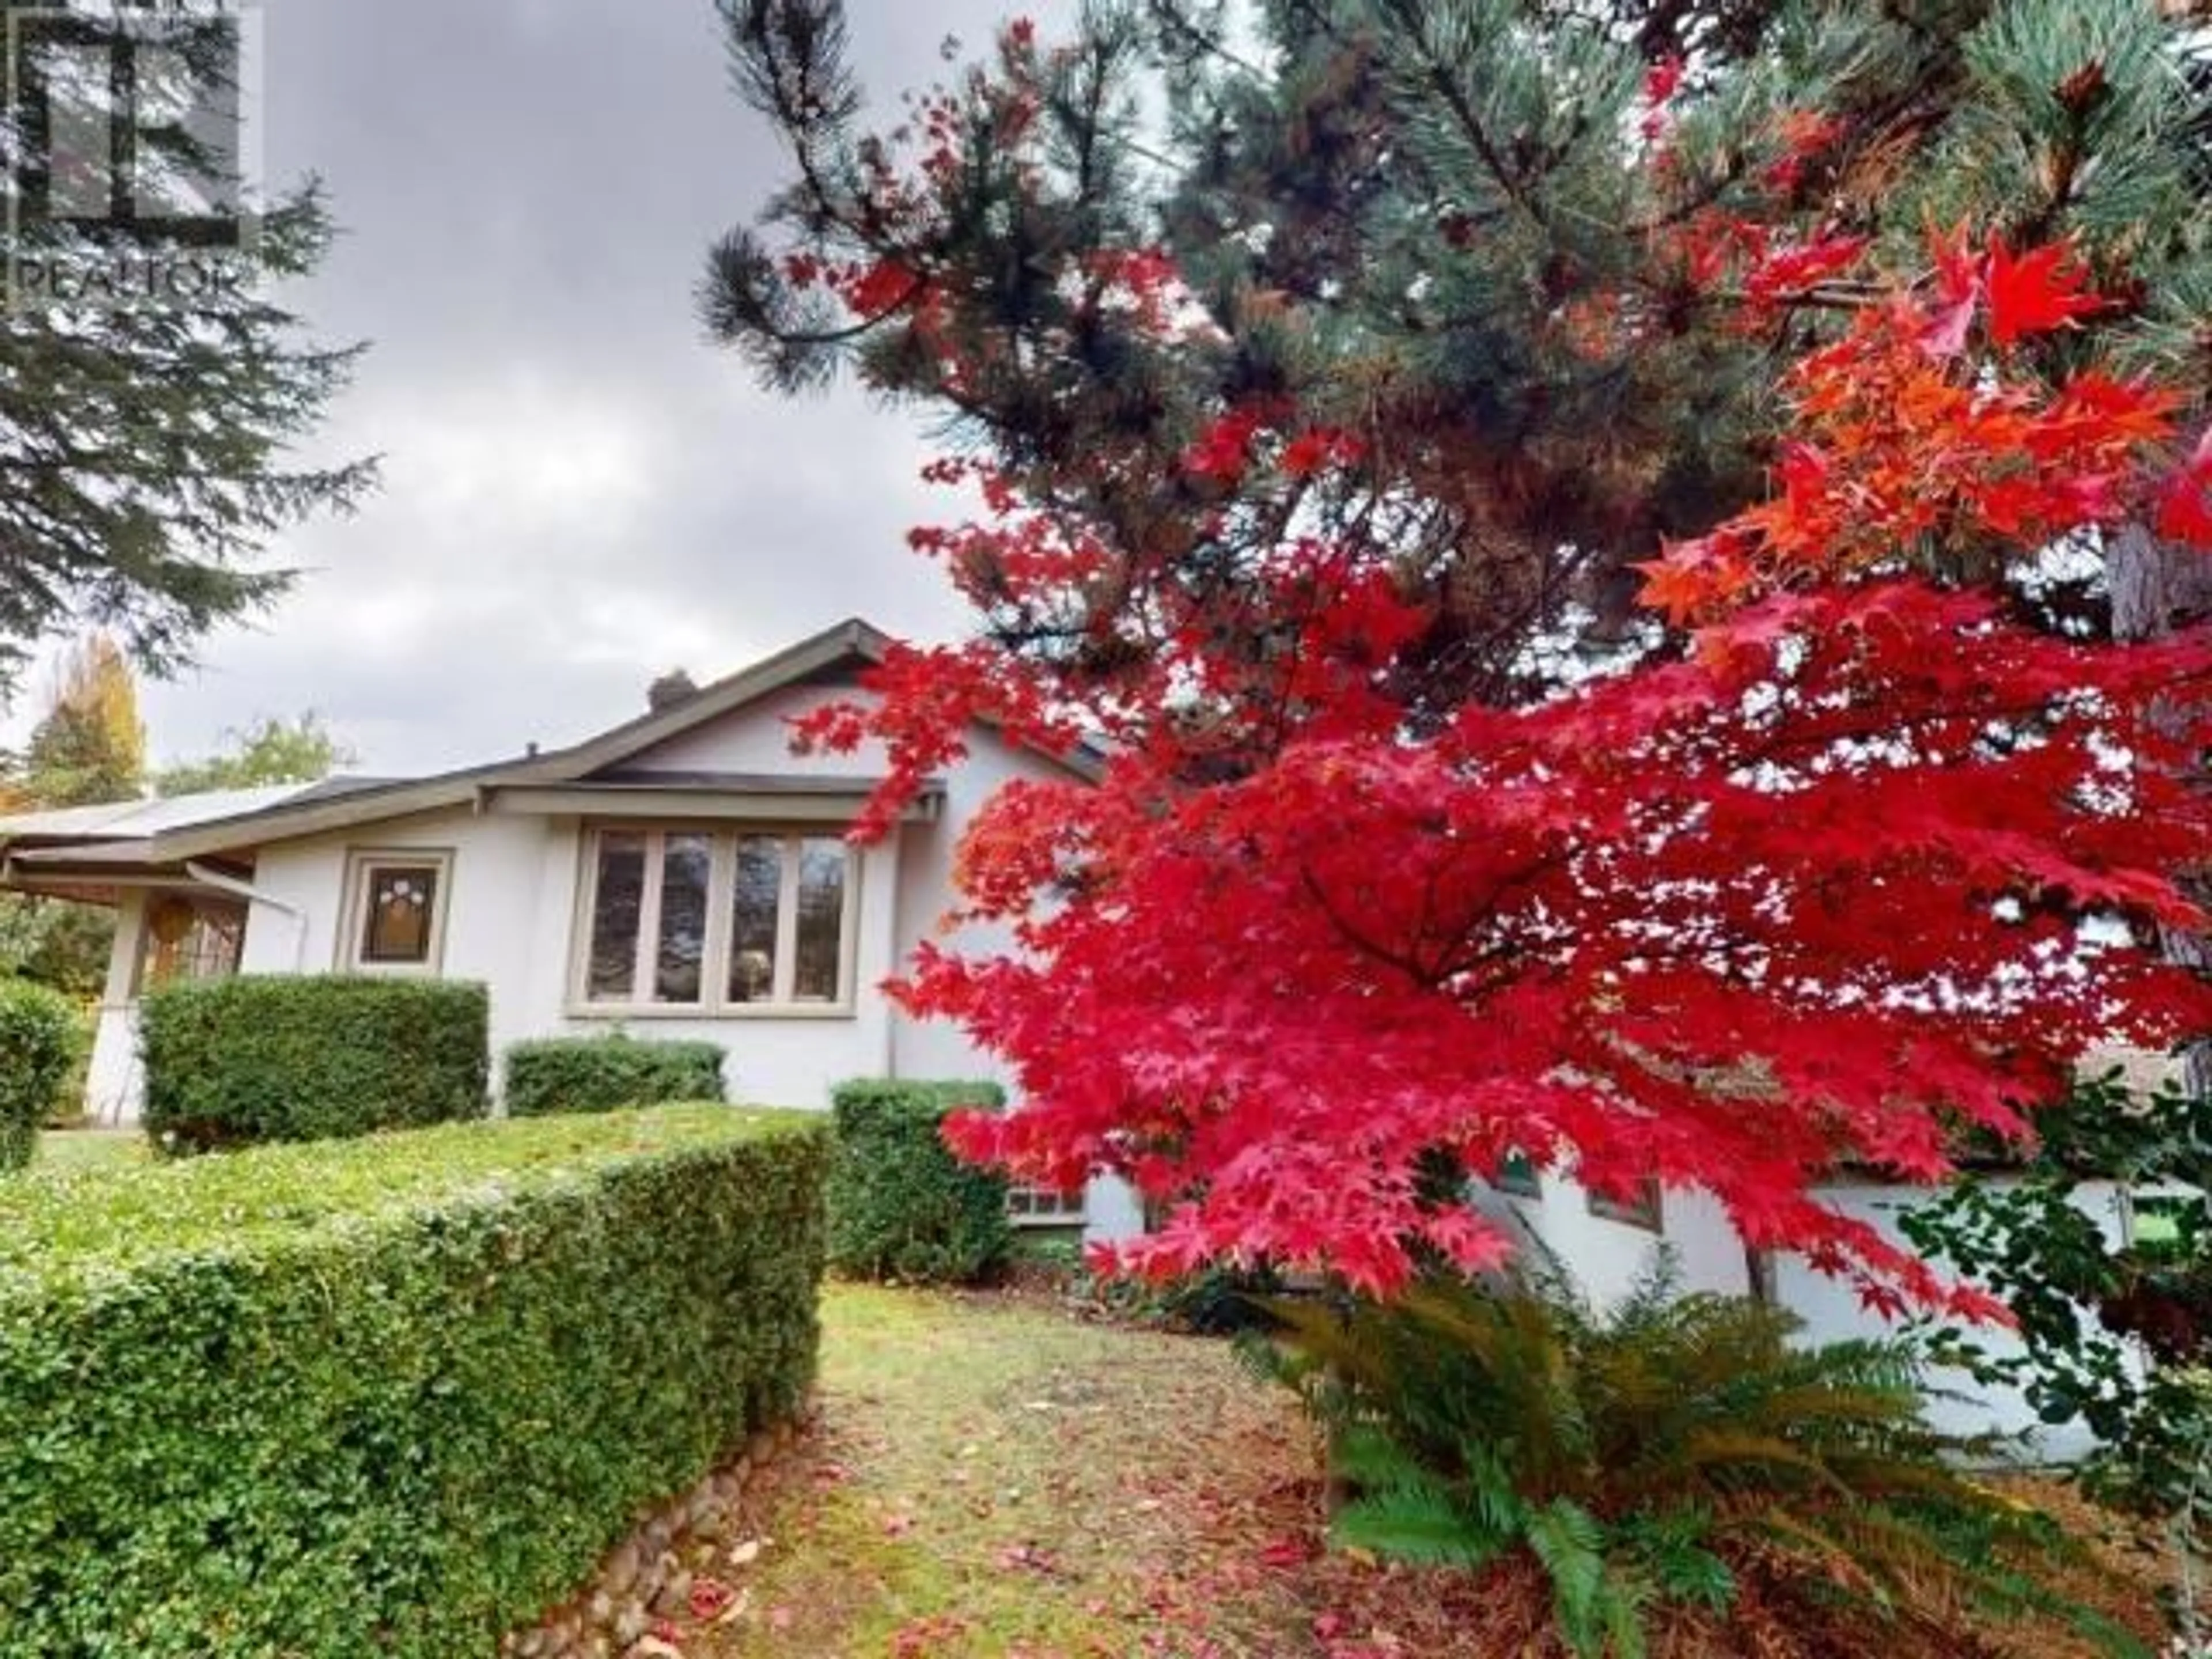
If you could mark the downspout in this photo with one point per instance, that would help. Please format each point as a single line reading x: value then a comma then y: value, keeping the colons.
x: 252, y: 894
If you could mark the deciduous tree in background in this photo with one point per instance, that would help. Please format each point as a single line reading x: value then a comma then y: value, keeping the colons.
x: 270, y: 750
x: 90, y: 745
x: 1323, y: 432
x: 88, y: 749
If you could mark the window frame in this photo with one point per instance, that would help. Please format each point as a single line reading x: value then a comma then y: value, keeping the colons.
x: 1518, y: 1176
x: 361, y: 865
x: 1046, y: 1207
x: 716, y: 1002
x: 1647, y: 1211
x: 144, y: 976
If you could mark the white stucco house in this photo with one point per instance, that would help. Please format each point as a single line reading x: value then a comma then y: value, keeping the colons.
x: 685, y: 874
x: 681, y: 874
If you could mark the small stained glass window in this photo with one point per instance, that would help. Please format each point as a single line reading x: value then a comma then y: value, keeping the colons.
x: 400, y: 914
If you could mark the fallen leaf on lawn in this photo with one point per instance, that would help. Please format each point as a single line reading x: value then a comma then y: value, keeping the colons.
x: 1285, y: 1553
x: 1020, y: 1556
x: 710, y: 1597
x: 745, y: 1554
x: 897, y: 1525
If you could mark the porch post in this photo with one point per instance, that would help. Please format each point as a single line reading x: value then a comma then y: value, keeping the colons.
x: 112, y: 1084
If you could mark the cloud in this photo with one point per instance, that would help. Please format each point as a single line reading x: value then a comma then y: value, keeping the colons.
x: 580, y: 492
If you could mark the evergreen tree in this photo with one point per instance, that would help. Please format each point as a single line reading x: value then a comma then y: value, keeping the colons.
x: 1538, y: 261
x: 270, y: 751
x: 148, y: 450
x: 1328, y: 371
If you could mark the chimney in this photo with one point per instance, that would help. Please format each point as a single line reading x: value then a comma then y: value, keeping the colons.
x: 674, y: 687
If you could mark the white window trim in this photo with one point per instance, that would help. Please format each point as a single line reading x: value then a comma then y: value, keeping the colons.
x: 723, y: 836
x: 362, y: 862
x: 1071, y: 1209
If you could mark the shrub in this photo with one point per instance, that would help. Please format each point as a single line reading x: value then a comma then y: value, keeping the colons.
x: 2091, y: 1306
x: 39, y: 1039
x: 1681, y: 1462
x: 306, y: 1057
x: 388, y: 1398
x: 901, y: 1204
x: 597, y: 1074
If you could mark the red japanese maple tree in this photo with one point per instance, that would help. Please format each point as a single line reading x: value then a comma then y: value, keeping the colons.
x: 1867, y: 860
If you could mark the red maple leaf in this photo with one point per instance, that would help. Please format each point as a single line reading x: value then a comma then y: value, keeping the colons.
x: 2043, y: 288
x: 2185, y: 500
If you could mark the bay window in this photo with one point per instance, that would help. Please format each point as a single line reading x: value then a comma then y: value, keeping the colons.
x: 716, y: 920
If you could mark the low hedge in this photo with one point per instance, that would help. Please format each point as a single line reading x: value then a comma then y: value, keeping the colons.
x: 39, y: 1038
x: 901, y: 1206
x: 256, y: 1058
x: 599, y: 1073
x: 389, y: 1398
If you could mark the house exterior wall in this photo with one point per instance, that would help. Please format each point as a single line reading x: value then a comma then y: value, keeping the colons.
x: 1606, y: 1257
x: 1832, y: 1313
x: 511, y: 909
x: 513, y: 897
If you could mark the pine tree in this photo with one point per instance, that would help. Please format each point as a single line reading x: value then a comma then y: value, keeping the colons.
x: 1540, y: 259
x: 1317, y: 423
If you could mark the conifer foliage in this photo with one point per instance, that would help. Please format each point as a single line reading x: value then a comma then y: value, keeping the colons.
x: 1555, y: 515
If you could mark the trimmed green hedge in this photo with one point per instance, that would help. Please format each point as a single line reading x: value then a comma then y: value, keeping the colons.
x: 388, y: 1398
x: 599, y: 1073
x: 901, y: 1206
x: 39, y: 1037
x: 255, y: 1058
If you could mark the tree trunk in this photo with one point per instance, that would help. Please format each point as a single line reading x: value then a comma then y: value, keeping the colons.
x: 2154, y: 585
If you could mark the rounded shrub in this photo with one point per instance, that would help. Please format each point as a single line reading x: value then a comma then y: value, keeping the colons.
x: 39, y: 1042
x: 600, y: 1073
x: 255, y: 1058
x: 901, y: 1204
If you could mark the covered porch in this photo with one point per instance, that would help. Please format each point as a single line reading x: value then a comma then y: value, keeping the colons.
x: 175, y: 919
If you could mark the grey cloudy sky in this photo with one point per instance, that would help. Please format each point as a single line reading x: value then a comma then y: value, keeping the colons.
x: 578, y: 493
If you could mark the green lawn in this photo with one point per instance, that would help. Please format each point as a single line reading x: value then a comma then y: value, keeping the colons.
x: 997, y: 1478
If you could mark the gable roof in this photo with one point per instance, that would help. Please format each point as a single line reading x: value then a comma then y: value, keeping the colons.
x: 339, y: 804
